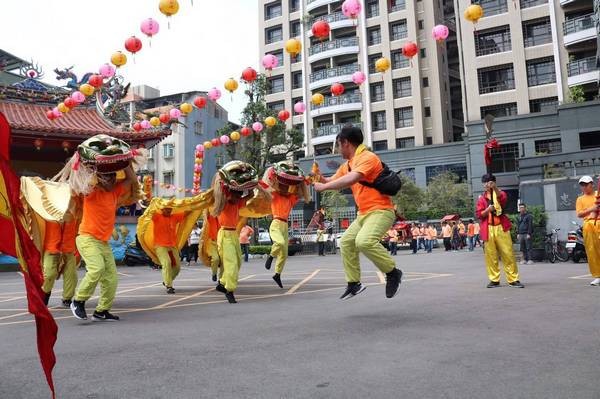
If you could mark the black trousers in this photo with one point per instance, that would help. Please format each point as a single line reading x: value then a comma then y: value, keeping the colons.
x: 193, y: 253
x: 447, y: 244
x: 321, y: 248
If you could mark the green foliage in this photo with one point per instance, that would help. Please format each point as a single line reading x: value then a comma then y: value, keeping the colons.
x: 540, y: 218
x: 576, y: 95
x: 332, y: 201
x: 272, y: 144
x: 445, y: 195
x: 259, y: 249
x: 409, y: 199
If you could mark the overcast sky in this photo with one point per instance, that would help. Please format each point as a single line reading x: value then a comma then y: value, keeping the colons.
x: 206, y: 44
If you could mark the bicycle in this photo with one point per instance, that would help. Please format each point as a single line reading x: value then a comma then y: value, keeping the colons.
x: 555, y: 250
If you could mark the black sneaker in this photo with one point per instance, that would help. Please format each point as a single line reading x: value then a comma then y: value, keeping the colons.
x: 493, y: 284
x: 170, y: 290
x: 47, y: 298
x: 268, y: 262
x: 78, y: 309
x: 516, y: 284
x: 277, y: 278
x: 214, y: 277
x: 230, y: 297
x: 221, y: 288
x: 353, y: 289
x: 393, y: 278
x: 66, y: 303
x: 104, y: 316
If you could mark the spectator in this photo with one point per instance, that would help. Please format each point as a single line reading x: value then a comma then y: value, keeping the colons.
x: 455, y: 237
x: 524, y: 233
x: 447, y: 235
x: 415, y: 238
x: 471, y: 234
x: 393, y: 240
x: 321, y: 239
x: 245, y: 235
x: 476, y: 231
x: 462, y: 232
x: 193, y: 241
x: 422, y: 236
x: 431, y: 237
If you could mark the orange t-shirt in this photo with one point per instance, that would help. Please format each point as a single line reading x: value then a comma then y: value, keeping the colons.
x: 213, y: 226
x: 245, y: 234
x: 369, y: 165
x: 432, y: 233
x: 471, y: 230
x: 230, y: 215
x: 281, y: 205
x: 584, y: 202
x: 60, y: 237
x: 165, y: 229
x: 447, y: 231
x: 476, y: 228
x: 100, y: 212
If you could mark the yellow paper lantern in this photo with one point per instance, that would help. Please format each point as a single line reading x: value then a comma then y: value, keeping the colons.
x: 154, y: 121
x: 382, y: 64
x: 270, y: 121
x: 207, y: 145
x: 198, y: 161
x: 235, y: 136
x: 86, y: 89
x: 293, y: 47
x: 186, y: 108
x: 118, y: 59
x: 231, y: 85
x: 317, y: 99
x: 168, y: 7
x: 63, y: 108
x: 473, y: 13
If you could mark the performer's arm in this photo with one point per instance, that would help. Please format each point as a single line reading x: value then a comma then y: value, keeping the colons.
x: 338, y: 184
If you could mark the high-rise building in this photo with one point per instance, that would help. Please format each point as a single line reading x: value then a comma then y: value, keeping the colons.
x: 416, y: 102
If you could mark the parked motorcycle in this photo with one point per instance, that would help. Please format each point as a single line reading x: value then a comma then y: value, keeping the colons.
x: 575, y: 245
x: 135, y: 256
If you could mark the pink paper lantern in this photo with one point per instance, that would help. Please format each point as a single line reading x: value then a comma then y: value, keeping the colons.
x: 224, y: 139
x: 145, y: 124
x: 214, y: 94
x: 257, y: 127
x: 56, y: 112
x: 149, y: 27
x: 156, y: 182
x: 359, y: 77
x: 198, y: 168
x: 299, y: 107
x: 78, y: 97
x: 174, y: 113
x: 200, y: 148
x: 107, y: 71
x: 351, y: 8
x: 440, y: 32
x: 269, y: 61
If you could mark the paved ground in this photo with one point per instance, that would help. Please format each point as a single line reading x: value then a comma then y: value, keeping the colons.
x: 443, y: 336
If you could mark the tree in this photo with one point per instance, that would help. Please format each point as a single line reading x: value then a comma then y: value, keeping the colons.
x: 272, y: 144
x: 576, y: 95
x: 409, y: 200
x: 445, y: 195
x: 332, y: 201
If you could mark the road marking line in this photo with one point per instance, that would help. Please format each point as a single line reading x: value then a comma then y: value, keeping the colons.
x: 123, y: 274
x: 297, y: 286
x: 582, y: 277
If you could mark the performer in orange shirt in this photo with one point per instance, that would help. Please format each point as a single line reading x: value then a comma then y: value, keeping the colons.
x: 285, y: 180
x: 165, y: 240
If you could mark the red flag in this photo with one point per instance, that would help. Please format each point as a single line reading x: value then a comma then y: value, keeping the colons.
x: 16, y: 242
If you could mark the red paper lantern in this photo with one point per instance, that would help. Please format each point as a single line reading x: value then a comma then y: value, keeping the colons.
x: 249, y: 75
x: 246, y: 131
x: 69, y: 102
x: 96, y: 81
x: 66, y: 145
x: 283, y: 115
x: 164, y: 118
x: 410, y: 49
x: 133, y: 44
x: 215, y: 142
x: 50, y: 115
x: 38, y: 144
x: 320, y: 29
x: 137, y: 127
x: 200, y: 102
x: 337, y: 89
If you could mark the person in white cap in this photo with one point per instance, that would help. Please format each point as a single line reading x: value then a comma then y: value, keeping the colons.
x: 587, y: 207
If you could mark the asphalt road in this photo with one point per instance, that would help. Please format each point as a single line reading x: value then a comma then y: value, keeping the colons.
x: 443, y: 336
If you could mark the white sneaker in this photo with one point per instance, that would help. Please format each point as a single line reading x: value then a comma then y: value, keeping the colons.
x: 596, y: 282
x: 529, y: 262
x: 521, y: 262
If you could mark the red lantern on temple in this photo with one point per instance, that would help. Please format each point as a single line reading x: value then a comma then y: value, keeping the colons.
x: 249, y: 75
x: 410, y: 49
x: 96, y: 81
x: 164, y: 118
x: 137, y: 126
x: 50, y: 115
x: 200, y: 102
x: 320, y: 29
x: 246, y: 131
x: 66, y: 145
x: 215, y: 142
x: 337, y: 89
x: 283, y: 115
x: 133, y: 44
x: 38, y: 144
x: 69, y: 102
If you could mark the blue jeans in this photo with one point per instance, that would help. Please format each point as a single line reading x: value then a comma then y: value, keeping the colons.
x: 471, y: 241
x: 245, y: 249
x: 428, y: 245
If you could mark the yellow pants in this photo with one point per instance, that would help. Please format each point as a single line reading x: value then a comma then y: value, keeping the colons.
x: 101, y: 268
x: 364, y: 235
x: 279, y: 249
x: 591, y: 239
x: 228, y: 244
x: 169, y: 270
x: 499, y: 243
x: 69, y: 273
x: 215, y: 260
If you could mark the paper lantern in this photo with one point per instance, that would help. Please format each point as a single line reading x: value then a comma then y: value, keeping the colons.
x: 145, y: 124
x: 38, y: 144
x: 186, y: 108
x: 70, y: 103
x: 231, y: 85
x: 235, y: 136
x: 382, y: 64
x: 214, y: 94
x: 207, y: 145
x: 473, y: 13
x: 200, y: 148
x: 197, y: 168
x: 321, y: 29
x: 149, y: 27
x: 65, y: 145
x: 246, y: 131
x: 96, y: 81
x: 270, y: 121
x: 299, y: 107
x: 164, y: 118
x: 200, y: 102
x: 293, y: 47
x: 174, y: 113
x: 257, y: 127
x: 269, y: 61
x: 224, y: 139
x: 154, y: 121
x: 359, y: 77
x: 351, y: 8
x: 317, y: 99
x: 410, y: 49
x: 337, y: 89
x: 118, y: 59
x: 440, y: 33
x: 168, y: 7
x: 137, y: 126
x: 283, y: 115
x: 215, y: 142
x: 86, y: 89
x: 249, y: 75
x: 78, y: 97
x: 107, y: 71
x: 56, y: 112
x: 63, y: 108
x: 50, y: 115
x: 133, y: 44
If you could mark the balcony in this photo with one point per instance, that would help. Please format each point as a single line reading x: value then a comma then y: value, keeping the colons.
x: 329, y: 76
x: 333, y: 48
x: 398, y: 5
x: 579, y: 29
x: 331, y: 130
x: 312, y: 4
x: 336, y: 20
x: 583, y: 71
x: 343, y: 103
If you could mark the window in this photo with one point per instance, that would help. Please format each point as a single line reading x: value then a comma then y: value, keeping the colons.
x: 323, y: 149
x: 168, y: 150
x: 275, y: 85
x: 295, y: 28
x: 276, y: 106
x: 427, y: 112
x: 532, y: 3
x: 459, y: 169
x: 492, y: 7
x: 425, y: 82
x: 372, y: 8
x: 499, y: 110
x: 551, y: 146
x: 294, y: 5
x: 380, y: 145
x: 372, y: 60
x: 504, y: 159
x: 402, y: 87
x: 421, y: 24
x: 151, y: 153
x: 428, y: 140
x: 198, y: 127
x: 537, y: 32
x: 272, y: 10
x: 279, y: 55
x: 378, y: 121
x: 274, y: 34
x: 405, y: 142
x: 404, y: 117
x: 397, y: 5
x: 543, y: 104
x: 409, y: 173
x: 398, y: 30
x: 399, y: 60
x: 423, y: 53
x: 377, y: 92
x: 589, y: 140
x: 541, y: 71
x: 497, y: 78
x: 492, y: 41
x: 374, y: 35
x: 169, y: 177
x: 296, y: 80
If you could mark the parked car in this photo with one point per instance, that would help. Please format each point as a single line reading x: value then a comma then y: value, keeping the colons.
x: 263, y: 237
